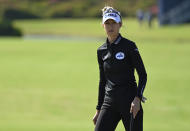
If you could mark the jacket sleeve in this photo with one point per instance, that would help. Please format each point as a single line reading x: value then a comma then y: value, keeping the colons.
x: 102, y: 82
x: 139, y: 66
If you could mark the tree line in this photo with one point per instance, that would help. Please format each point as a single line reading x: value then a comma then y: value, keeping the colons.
x: 40, y: 9
x: 19, y: 9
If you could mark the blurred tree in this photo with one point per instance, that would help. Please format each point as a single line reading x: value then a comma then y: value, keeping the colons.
x: 74, y: 8
x: 7, y: 28
x: 12, y: 14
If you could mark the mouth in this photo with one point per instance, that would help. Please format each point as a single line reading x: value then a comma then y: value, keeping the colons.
x: 111, y: 31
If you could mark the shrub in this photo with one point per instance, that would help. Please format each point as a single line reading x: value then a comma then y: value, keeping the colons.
x: 18, y: 14
x: 7, y: 29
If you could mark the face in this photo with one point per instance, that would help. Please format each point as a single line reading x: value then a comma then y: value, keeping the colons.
x: 111, y: 27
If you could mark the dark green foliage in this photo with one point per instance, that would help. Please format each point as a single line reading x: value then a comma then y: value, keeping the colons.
x: 58, y: 14
x: 7, y: 29
x: 69, y: 8
x: 18, y: 14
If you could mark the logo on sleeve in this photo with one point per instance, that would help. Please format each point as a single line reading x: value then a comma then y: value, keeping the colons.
x: 136, y: 50
x: 120, y: 56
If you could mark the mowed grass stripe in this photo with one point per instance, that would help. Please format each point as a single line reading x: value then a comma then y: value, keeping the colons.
x: 93, y: 28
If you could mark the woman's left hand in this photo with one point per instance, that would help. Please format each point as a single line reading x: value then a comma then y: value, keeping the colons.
x: 135, y: 106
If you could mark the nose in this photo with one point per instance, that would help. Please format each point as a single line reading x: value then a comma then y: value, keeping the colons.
x: 111, y: 25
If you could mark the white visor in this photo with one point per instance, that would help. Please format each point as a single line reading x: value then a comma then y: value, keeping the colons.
x: 113, y: 16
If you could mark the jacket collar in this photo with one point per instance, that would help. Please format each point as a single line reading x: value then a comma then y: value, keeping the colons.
x: 118, y: 39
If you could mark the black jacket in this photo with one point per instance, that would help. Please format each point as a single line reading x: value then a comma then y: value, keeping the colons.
x: 117, y: 62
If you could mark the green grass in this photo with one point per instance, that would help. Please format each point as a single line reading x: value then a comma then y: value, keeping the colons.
x: 93, y: 28
x: 51, y: 85
x: 45, y: 85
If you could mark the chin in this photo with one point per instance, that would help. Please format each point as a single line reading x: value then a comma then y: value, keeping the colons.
x: 111, y: 33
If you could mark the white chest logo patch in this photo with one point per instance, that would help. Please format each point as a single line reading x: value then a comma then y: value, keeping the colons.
x: 120, y: 56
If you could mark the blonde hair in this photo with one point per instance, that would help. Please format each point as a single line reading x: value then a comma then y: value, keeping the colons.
x: 107, y: 9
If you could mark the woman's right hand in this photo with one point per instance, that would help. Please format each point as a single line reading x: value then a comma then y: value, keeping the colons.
x: 96, y: 117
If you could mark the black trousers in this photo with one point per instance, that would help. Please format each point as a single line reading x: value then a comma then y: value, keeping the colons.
x: 116, y: 107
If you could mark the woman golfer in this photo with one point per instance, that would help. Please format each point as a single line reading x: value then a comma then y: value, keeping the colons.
x: 119, y: 96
